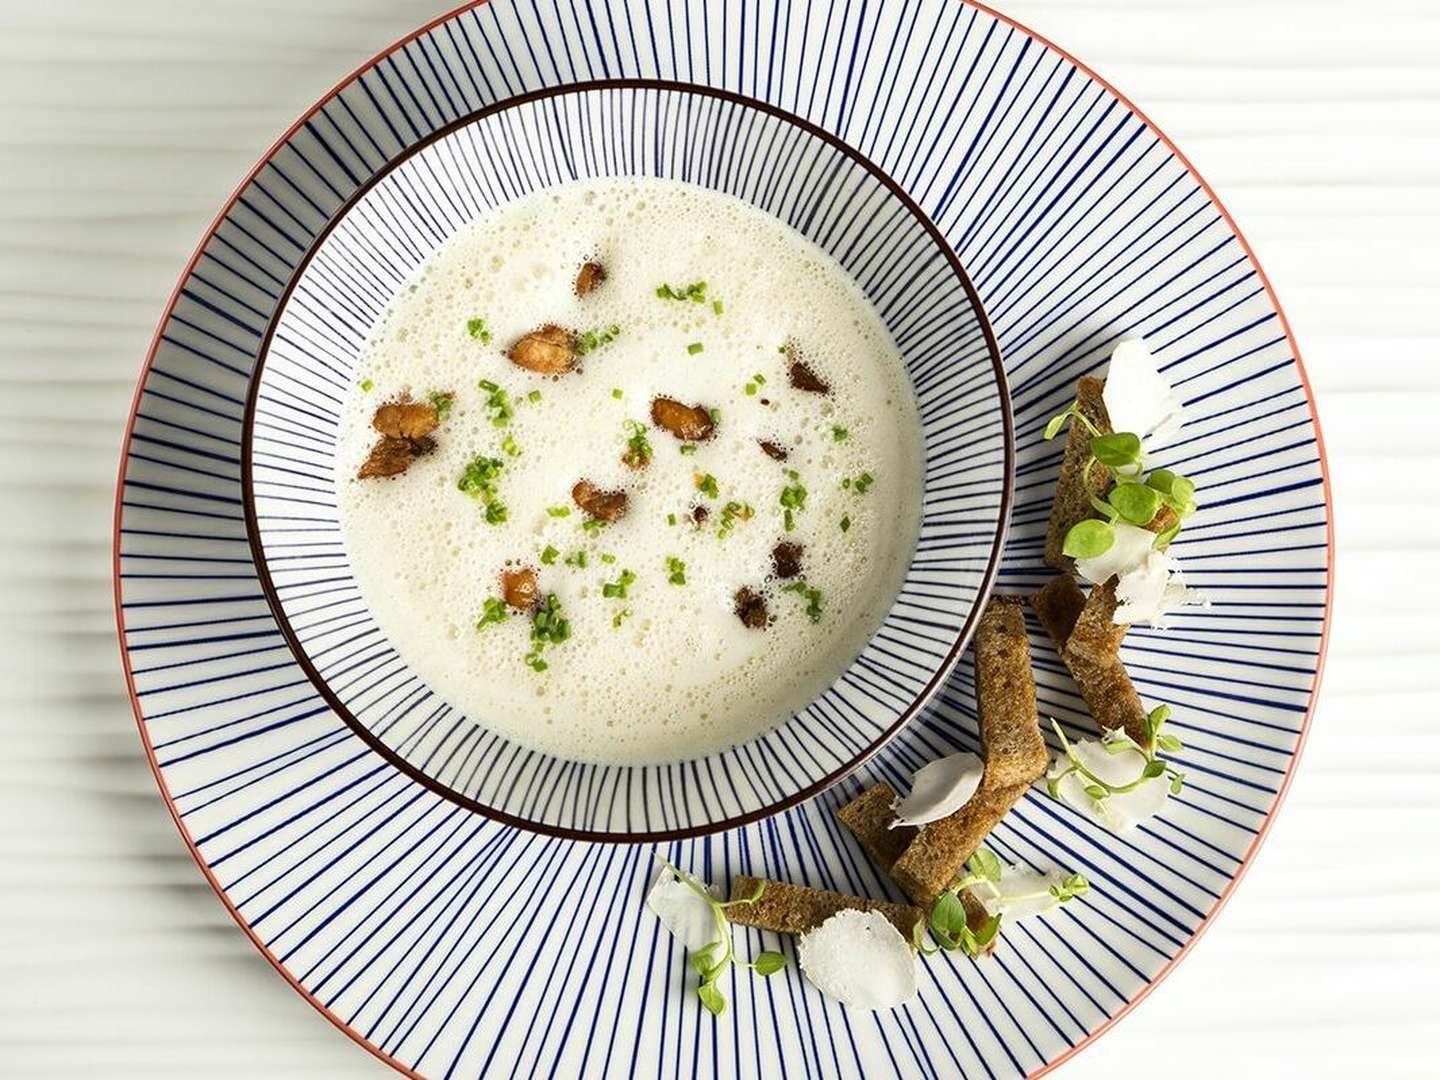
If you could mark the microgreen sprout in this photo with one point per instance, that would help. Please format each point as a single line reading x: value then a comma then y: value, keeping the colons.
x: 477, y: 329
x: 1135, y: 498
x: 712, y: 961
x: 1117, y: 742
x: 591, y: 340
x: 949, y: 923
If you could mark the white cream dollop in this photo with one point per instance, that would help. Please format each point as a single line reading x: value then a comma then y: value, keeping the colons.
x: 859, y: 959
x: 939, y: 789
x: 1137, y: 397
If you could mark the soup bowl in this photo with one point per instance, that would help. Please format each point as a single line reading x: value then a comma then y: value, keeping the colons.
x: 421, y: 196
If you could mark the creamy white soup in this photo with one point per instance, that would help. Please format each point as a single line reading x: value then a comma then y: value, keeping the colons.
x: 747, y: 441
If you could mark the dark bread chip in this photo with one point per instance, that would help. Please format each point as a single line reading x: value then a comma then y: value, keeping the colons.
x: 786, y: 557
x: 688, y: 423
x: 590, y: 278
x: 750, y: 608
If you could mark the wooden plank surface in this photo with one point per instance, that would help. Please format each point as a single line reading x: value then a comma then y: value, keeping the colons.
x: 124, y: 126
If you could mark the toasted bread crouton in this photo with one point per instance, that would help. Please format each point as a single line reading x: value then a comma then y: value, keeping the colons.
x: 868, y: 818
x: 937, y: 856
x: 1095, y: 636
x: 1072, y: 492
x: 1005, y: 691
x: 1105, y: 685
x: 794, y: 909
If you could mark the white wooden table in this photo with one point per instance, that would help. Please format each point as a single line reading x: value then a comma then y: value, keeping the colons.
x: 123, y: 126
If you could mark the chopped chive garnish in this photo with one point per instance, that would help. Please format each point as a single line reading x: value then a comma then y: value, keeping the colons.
x: 717, y: 307
x: 606, y: 557
x: 620, y: 617
x: 792, y: 498
x: 509, y: 445
x: 708, y: 486
x: 494, y: 613
x: 478, y: 481
x: 592, y: 525
x: 670, y: 518
x: 840, y: 433
x: 591, y: 340
x: 367, y: 385
x: 621, y: 587
x: 549, y: 555
x: 759, y: 378
x: 677, y: 570
x: 617, y: 393
x: 443, y: 402
x: 476, y: 329
x: 687, y: 448
x: 558, y: 511
x: 533, y: 395
x: 695, y: 347
x: 845, y: 523
x: 578, y: 558
x: 811, y: 596
x: 694, y: 292
x: 749, y: 389
x: 639, y: 451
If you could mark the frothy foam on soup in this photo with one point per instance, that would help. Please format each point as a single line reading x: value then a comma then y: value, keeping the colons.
x: 748, y: 564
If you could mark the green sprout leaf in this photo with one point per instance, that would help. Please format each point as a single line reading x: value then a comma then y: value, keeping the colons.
x: 768, y: 963
x: 1087, y: 539
x: 712, y: 998
x: 1170, y: 744
x: 1136, y: 503
x: 985, y: 864
x: 1118, y: 451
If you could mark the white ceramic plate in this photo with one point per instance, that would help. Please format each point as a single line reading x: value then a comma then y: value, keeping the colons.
x: 452, y: 945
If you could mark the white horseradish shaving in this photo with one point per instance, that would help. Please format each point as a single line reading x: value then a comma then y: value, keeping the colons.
x: 939, y: 789
x: 859, y: 959
x: 1150, y: 583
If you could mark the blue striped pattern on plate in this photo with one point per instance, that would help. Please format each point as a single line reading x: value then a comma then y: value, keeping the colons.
x: 457, y: 946
x: 723, y: 144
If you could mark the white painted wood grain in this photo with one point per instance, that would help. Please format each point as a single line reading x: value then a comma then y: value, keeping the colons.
x: 124, y: 126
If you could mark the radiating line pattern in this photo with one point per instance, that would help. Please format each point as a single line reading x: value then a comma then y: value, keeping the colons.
x: 460, y: 947
x: 722, y: 144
